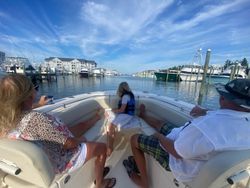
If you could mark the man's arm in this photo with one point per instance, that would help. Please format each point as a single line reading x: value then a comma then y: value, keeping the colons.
x: 168, y: 145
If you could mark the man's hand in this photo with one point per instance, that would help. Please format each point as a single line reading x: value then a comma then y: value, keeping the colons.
x: 198, y: 111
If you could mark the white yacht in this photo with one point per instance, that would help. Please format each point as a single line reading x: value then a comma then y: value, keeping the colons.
x: 25, y: 165
x: 98, y: 72
x: 214, y: 71
x: 84, y: 73
x: 193, y: 71
x: 239, y: 72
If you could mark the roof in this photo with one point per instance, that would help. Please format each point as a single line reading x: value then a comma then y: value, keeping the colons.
x: 70, y: 59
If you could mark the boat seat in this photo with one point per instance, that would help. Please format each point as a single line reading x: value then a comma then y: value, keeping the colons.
x: 24, y: 164
x: 227, y: 169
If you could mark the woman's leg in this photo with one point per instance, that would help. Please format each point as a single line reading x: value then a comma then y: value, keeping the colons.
x: 152, y: 121
x: 82, y: 127
x: 111, y: 132
x: 97, y: 150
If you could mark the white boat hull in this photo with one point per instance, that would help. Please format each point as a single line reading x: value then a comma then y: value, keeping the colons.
x: 191, y: 77
x: 36, y: 169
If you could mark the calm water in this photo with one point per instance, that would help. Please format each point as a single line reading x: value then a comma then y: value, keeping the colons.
x: 186, y: 91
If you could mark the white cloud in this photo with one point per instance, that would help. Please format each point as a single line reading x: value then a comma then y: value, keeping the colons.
x: 122, y: 34
x: 117, y: 22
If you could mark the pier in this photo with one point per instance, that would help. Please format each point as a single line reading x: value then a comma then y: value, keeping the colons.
x: 42, y: 76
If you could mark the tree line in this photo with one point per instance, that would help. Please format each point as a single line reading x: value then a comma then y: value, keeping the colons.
x: 242, y: 62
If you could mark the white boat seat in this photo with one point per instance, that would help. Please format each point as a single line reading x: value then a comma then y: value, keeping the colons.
x: 31, y: 164
x: 227, y: 169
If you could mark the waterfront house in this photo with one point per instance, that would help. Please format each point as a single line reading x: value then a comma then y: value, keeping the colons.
x: 68, y: 65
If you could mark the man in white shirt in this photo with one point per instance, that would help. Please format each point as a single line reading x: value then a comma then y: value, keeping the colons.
x: 186, y: 149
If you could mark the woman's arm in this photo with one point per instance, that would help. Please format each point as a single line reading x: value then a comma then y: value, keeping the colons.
x: 121, y: 109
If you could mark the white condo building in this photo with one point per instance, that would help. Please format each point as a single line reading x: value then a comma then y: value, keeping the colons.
x: 68, y: 65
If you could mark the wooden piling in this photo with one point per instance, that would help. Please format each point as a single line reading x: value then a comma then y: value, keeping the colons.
x: 203, y: 82
x: 167, y: 75
x: 237, y: 72
x: 179, y: 72
x: 232, y: 74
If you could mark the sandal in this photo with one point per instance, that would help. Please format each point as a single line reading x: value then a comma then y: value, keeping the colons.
x: 110, y: 182
x: 131, y: 160
x: 105, y: 172
x: 128, y: 167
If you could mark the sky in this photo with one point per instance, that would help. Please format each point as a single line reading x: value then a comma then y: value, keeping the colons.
x: 127, y: 35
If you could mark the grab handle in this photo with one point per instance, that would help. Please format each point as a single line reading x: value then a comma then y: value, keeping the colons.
x: 9, y: 168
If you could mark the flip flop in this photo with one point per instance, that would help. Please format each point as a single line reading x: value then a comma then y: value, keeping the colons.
x: 131, y: 160
x: 105, y: 172
x: 128, y: 167
x: 111, y: 182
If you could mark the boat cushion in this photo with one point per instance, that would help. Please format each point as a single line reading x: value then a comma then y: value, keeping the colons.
x: 33, y: 162
x: 222, y: 166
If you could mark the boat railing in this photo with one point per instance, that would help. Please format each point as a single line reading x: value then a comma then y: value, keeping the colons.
x: 176, y: 104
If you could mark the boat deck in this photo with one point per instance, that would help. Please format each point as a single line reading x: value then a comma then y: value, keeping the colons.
x: 122, y: 150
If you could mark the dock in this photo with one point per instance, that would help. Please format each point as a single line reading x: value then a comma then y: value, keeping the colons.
x: 42, y: 76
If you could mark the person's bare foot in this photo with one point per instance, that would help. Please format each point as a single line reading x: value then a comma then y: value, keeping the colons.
x: 142, y: 110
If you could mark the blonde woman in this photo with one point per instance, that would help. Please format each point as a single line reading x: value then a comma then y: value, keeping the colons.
x: 123, y: 116
x: 64, y: 146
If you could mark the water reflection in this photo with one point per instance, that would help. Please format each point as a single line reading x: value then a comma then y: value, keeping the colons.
x: 186, y: 91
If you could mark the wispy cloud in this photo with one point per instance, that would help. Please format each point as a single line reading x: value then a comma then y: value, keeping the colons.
x: 148, y: 34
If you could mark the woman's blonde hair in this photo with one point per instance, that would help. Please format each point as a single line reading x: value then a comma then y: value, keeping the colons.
x: 14, y: 91
x: 123, y: 87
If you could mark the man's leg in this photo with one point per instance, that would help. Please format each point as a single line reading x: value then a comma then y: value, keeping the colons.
x: 141, y: 180
x: 141, y: 144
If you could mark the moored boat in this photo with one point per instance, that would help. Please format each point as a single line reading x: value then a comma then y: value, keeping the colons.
x: 84, y: 73
x: 239, y: 72
x: 169, y: 75
x: 191, y: 73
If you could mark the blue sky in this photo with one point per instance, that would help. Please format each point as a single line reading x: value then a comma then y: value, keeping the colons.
x: 126, y: 35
